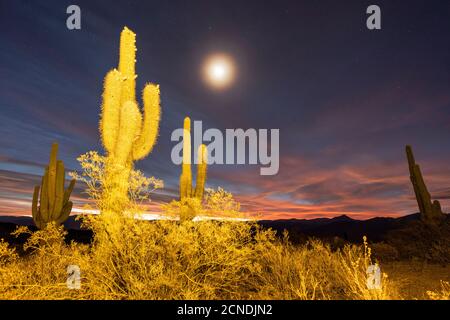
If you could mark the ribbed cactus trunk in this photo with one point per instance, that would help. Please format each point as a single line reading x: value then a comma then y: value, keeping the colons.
x: 186, y: 188
x: 53, y: 203
x: 429, y: 211
x: 202, y: 167
x: 115, y: 192
x: 186, y: 173
x: 126, y: 135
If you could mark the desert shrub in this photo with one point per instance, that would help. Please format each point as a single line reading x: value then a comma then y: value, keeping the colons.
x: 302, y: 272
x: 93, y: 174
x: 7, y: 253
x: 443, y: 294
x: 221, y: 260
x: 221, y: 203
x: 42, y: 273
x: 352, y: 269
x: 174, y: 260
x: 384, y: 252
x: 184, y: 209
x: 217, y: 203
x: 427, y: 242
x: 135, y: 259
x: 337, y: 243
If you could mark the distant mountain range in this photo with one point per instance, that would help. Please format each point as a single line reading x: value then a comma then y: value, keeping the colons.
x: 342, y: 226
x: 299, y: 229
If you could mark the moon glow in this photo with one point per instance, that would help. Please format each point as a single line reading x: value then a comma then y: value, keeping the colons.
x: 218, y: 71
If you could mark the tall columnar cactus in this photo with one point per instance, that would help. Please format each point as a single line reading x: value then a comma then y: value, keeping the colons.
x: 429, y: 211
x: 54, y: 204
x: 186, y: 188
x: 126, y: 135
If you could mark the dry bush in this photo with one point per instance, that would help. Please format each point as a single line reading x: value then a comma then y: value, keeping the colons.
x: 443, y: 294
x: 93, y: 175
x: 315, y: 271
x: 185, y: 209
x: 221, y: 203
x: 384, y: 252
x: 216, y: 203
x: 134, y: 259
x: 41, y: 273
x: 423, y: 241
x: 174, y: 260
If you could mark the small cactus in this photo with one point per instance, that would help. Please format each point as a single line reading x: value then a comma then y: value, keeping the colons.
x: 186, y: 188
x: 54, y: 204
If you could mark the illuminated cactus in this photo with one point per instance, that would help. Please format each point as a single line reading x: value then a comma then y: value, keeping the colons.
x: 186, y: 188
x: 429, y: 211
x: 54, y: 204
x: 202, y: 167
x: 126, y: 135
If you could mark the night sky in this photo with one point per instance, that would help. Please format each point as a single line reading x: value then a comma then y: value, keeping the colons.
x: 346, y: 99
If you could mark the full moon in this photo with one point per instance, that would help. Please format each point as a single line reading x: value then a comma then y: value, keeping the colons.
x: 218, y: 71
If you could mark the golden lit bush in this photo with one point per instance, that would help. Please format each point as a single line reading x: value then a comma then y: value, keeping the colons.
x: 221, y: 203
x: 136, y: 259
x: 93, y: 174
x: 216, y: 203
x: 7, y: 254
x: 184, y: 209
x: 443, y: 294
x: 352, y: 266
x: 41, y: 273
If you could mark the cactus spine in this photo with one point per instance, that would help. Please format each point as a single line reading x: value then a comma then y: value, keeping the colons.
x: 54, y: 204
x: 126, y: 135
x: 186, y: 188
x: 429, y: 211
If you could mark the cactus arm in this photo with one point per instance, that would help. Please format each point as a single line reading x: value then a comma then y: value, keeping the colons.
x: 52, y: 177
x: 424, y: 195
x: 127, y: 63
x: 202, y: 167
x: 44, y: 204
x: 416, y: 180
x: 69, y: 190
x: 410, y: 157
x: 65, y: 213
x: 428, y: 210
x: 419, y: 197
x: 59, y: 189
x: 150, y: 127
x: 437, y: 209
x: 110, y: 116
x: 186, y: 173
x: 34, y: 206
